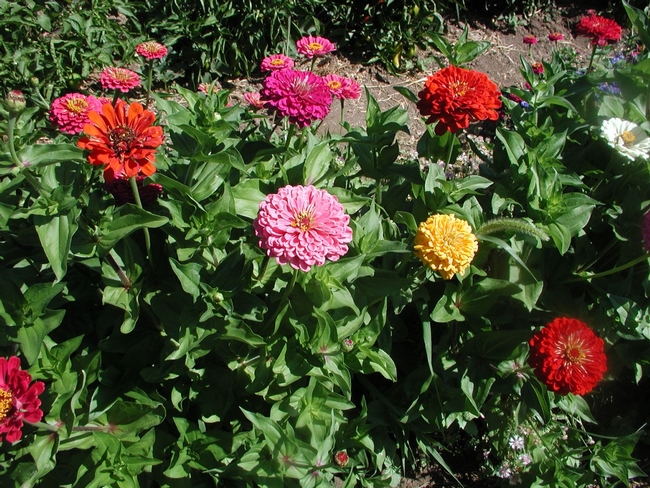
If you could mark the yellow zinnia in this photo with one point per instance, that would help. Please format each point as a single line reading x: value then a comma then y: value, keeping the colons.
x: 445, y: 244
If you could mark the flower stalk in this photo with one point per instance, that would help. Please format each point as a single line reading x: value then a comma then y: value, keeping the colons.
x: 147, y: 238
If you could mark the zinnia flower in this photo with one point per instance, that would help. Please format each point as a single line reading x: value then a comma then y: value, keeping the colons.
x: 302, y: 226
x: 341, y: 458
x: 530, y: 40
x: 445, y: 244
x: 254, y: 99
x: 645, y: 231
x: 600, y: 29
x: 567, y: 356
x: 555, y: 36
x: 151, y: 50
x: 454, y: 97
x: 342, y: 87
x: 204, y: 87
x: 122, y: 139
x: 314, y: 46
x: 119, y: 79
x: 18, y: 399
x: 275, y: 62
x: 69, y: 113
x: 626, y: 137
x: 538, y: 68
x: 300, y: 95
x: 123, y: 193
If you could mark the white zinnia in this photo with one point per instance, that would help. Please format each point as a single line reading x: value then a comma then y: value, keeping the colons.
x: 627, y: 138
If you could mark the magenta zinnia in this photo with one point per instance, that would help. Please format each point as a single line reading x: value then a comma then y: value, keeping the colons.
x: 300, y: 95
x: 119, y: 79
x: 342, y: 87
x: 454, y: 97
x: 555, y: 36
x: 311, y: 46
x: 69, y: 113
x: 275, y: 62
x: 302, y: 226
x: 530, y: 40
x: 18, y: 399
x: 567, y: 356
x: 151, y: 50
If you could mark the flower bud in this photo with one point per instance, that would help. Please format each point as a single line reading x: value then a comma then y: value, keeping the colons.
x: 348, y: 344
x: 15, y: 101
x: 34, y: 81
x: 341, y: 458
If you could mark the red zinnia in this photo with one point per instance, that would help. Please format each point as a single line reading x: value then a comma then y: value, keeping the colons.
x: 538, y: 68
x: 555, y: 36
x: 123, y: 139
x: 568, y: 357
x: 454, y: 97
x: 18, y: 399
x: 300, y: 95
x: 530, y: 40
x: 600, y: 29
x: 119, y: 79
x: 151, y: 50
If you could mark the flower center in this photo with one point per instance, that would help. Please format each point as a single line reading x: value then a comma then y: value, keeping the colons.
x: 304, y: 219
x: 315, y: 46
x: 121, y: 138
x: 301, y: 86
x: 77, y: 105
x: 150, y: 47
x: 334, y: 85
x: 277, y: 62
x: 121, y: 75
x: 459, y: 88
x: 6, y: 403
x: 574, y: 354
x: 628, y: 137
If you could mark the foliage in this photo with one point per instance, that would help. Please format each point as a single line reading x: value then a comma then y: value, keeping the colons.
x: 176, y: 353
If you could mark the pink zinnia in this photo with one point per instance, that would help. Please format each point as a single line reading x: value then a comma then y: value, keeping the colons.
x: 119, y: 79
x: 254, y: 99
x: 311, y: 46
x: 555, y: 36
x: 300, y: 95
x: 275, y: 62
x: 530, y: 40
x: 151, y: 50
x: 645, y: 230
x: 18, y: 399
x: 69, y: 113
x: 302, y: 226
x: 350, y: 90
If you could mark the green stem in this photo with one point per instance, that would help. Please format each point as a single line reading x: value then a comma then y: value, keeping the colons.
x: 115, y: 97
x: 44, y: 425
x: 138, y: 201
x: 591, y: 60
x: 313, y: 61
x: 149, y: 76
x: 342, y: 112
x: 618, y: 269
x: 11, y: 125
x: 285, y: 297
x: 378, y: 190
x: 450, y: 152
x: 124, y: 279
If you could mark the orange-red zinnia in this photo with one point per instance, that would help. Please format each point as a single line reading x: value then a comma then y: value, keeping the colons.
x: 123, y: 139
x: 567, y: 356
x: 454, y: 97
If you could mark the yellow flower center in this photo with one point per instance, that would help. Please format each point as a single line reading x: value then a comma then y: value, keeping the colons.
x: 315, y: 46
x: 304, y: 219
x: 334, y: 85
x: 277, y: 62
x: 628, y: 137
x: 121, y: 74
x: 151, y: 47
x: 459, y: 88
x: 574, y: 354
x: 6, y: 403
x: 77, y: 105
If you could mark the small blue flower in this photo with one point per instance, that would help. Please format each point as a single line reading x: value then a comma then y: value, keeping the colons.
x: 610, y: 88
x: 524, y: 104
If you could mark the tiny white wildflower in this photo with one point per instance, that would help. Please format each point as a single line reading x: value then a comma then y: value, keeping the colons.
x: 504, y: 471
x: 516, y: 442
x: 525, y: 459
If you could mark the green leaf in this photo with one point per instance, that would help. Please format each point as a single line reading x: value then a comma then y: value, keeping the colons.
x: 189, y: 274
x: 30, y: 338
x: 514, y: 145
x: 55, y: 233
x: 318, y: 163
x: 128, y: 219
x: 44, y: 154
x: 248, y: 197
x: 408, y: 94
x: 640, y: 22
x: 379, y: 361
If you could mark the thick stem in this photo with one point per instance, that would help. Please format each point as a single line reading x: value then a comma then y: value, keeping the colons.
x: 149, y: 76
x: 11, y: 125
x: 124, y: 279
x: 342, y: 112
x: 138, y: 201
x: 591, y: 60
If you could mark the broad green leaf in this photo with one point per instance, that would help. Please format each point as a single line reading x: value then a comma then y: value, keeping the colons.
x: 189, y: 274
x: 318, y: 163
x: 55, y: 234
x: 128, y: 219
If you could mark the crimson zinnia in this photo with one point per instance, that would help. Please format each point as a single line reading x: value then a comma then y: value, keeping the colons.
x: 300, y: 95
x: 18, y: 399
x: 600, y: 29
x: 122, y: 139
x: 302, y: 226
x: 567, y: 356
x: 454, y: 97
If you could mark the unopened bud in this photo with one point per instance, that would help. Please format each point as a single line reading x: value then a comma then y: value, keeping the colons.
x: 347, y: 344
x: 34, y: 81
x: 341, y: 458
x: 15, y: 101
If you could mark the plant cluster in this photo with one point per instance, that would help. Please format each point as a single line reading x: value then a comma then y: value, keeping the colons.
x: 195, y: 292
